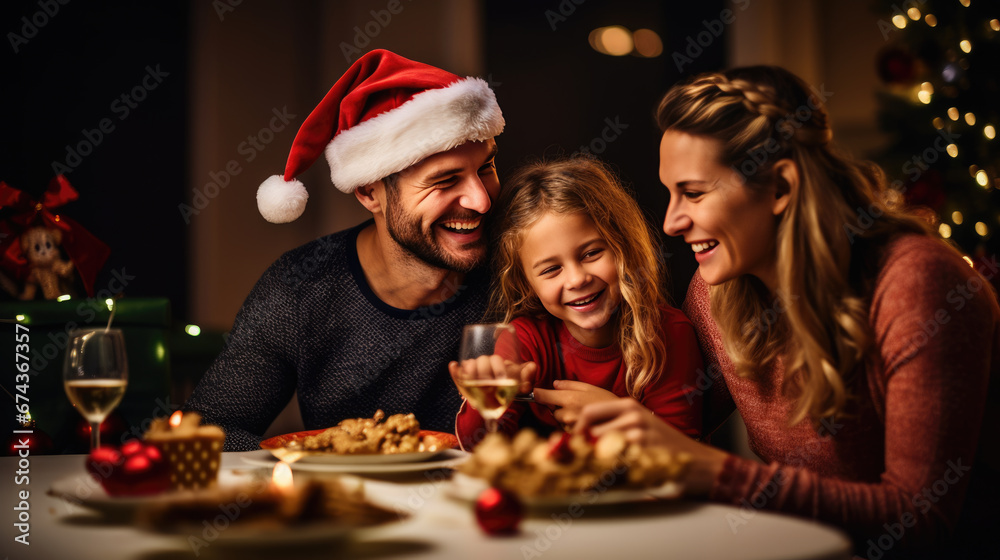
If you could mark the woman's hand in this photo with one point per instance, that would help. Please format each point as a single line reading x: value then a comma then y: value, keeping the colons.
x: 494, y: 367
x: 638, y: 424
x: 567, y: 399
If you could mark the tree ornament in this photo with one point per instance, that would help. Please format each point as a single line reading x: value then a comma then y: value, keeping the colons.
x: 498, y: 511
x: 136, y: 469
x: 36, y: 443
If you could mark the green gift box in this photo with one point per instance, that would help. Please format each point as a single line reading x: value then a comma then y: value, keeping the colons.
x: 145, y: 324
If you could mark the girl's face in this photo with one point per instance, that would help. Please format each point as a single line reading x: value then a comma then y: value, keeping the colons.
x: 731, y: 229
x: 573, y: 272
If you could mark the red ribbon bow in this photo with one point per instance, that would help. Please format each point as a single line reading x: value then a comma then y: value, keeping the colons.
x: 87, y: 252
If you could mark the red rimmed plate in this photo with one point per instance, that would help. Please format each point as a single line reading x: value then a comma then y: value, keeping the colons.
x: 278, y: 446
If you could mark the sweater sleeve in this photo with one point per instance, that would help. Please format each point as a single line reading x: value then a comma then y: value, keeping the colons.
x: 675, y: 398
x: 254, y: 377
x: 928, y: 380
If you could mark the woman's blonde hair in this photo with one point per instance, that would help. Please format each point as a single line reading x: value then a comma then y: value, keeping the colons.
x: 584, y: 185
x: 826, y: 240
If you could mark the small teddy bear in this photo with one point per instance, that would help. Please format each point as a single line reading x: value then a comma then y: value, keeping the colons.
x: 40, y: 246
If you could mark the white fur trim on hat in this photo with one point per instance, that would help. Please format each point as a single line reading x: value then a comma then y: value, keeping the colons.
x: 433, y: 121
x: 281, y: 201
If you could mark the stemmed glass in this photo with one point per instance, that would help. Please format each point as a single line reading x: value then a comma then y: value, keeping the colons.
x: 489, y: 369
x: 95, y: 374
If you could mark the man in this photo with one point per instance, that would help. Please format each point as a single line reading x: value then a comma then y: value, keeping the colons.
x: 369, y: 317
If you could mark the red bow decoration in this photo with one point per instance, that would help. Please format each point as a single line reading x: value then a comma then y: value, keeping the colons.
x: 87, y: 252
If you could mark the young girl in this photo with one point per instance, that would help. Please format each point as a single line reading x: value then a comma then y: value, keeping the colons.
x: 578, y: 275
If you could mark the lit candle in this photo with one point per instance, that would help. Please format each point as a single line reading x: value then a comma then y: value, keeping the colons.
x: 175, y: 419
x: 281, y: 478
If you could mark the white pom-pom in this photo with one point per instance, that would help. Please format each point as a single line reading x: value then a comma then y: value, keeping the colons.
x: 281, y: 201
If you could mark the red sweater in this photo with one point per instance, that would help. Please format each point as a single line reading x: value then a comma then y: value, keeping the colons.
x: 895, y: 477
x: 549, y: 344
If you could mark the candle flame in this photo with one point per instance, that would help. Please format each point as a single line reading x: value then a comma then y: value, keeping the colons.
x: 175, y: 419
x: 281, y: 477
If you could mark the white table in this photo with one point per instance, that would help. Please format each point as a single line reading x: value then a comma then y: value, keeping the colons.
x: 440, y: 527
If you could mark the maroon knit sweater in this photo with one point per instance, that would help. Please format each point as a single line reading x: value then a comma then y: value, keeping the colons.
x: 895, y: 476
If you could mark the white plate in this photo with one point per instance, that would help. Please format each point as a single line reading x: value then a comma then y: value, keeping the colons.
x: 466, y: 488
x: 81, y: 489
x: 449, y: 458
x: 374, y: 459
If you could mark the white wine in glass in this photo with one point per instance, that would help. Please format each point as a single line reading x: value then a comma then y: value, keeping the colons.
x: 489, y: 366
x: 95, y: 375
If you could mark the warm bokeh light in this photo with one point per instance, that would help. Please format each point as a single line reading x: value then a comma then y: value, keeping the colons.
x: 970, y: 119
x: 938, y: 123
x: 110, y: 303
x: 193, y: 330
x: 981, y: 229
x: 965, y: 2
x: 914, y: 14
x: 953, y: 113
x: 944, y: 230
x: 957, y: 217
x: 175, y: 418
x: 613, y: 40
x: 924, y: 97
x: 989, y: 131
x: 20, y: 318
x: 899, y: 21
x: 647, y: 43
x: 952, y: 150
x: 995, y: 24
x: 281, y: 477
x: 983, y: 179
x: 966, y: 46
x: 931, y: 20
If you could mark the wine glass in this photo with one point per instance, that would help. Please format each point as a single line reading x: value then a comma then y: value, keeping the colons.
x: 95, y: 374
x: 489, y: 369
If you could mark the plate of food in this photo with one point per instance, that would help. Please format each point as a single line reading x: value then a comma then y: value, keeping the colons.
x: 379, y: 440
x: 263, y: 515
x: 570, y: 469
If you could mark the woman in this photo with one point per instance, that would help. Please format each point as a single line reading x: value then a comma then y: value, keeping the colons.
x: 858, y: 351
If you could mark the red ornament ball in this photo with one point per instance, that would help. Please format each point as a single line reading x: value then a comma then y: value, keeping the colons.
x: 498, y: 511
x: 35, y: 443
x: 136, y: 469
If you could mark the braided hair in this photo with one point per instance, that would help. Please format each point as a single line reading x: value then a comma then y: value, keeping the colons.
x: 758, y: 116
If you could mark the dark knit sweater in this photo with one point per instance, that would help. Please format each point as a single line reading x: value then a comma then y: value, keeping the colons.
x: 312, y: 324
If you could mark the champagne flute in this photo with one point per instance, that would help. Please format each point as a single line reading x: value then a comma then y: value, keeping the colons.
x: 489, y: 369
x: 95, y: 374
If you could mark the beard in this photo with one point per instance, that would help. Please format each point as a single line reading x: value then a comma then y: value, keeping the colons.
x: 405, y: 231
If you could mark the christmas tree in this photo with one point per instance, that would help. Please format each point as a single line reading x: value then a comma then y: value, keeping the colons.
x: 941, y: 70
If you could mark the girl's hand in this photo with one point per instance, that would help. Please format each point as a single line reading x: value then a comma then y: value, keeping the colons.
x: 568, y: 398
x: 492, y: 367
x: 638, y: 424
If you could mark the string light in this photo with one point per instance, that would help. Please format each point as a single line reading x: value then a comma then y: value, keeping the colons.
x: 983, y: 179
x: 981, y: 229
x: 989, y: 131
x: 966, y: 46
x: 952, y: 150
x: 968, y: 261
x: 938, y: 123
x: 899, y: 21
x: 914, y: 14
x: 926, y: 90
x: 957, y: 217
x: 970, y: 119
x: 647, y: 43
x: 965, y: 2
x: 931, y: 20
x: 944, y: 230
x: 953, y: 113
x: 995, y: 24
x: 973, y: 169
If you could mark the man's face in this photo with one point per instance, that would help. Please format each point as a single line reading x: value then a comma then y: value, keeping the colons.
x: 436, y: 210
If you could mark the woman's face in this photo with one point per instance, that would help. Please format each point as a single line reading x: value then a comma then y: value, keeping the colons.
x: 730, y: 228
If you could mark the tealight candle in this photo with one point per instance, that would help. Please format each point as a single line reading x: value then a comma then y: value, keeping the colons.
x: 193, y: 451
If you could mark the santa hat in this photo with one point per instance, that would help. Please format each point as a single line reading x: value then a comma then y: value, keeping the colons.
x: 383, y: 115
